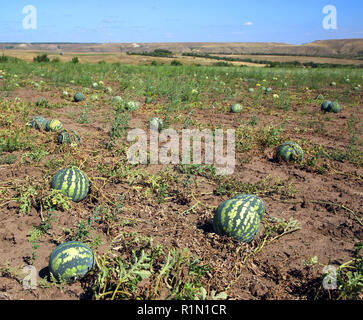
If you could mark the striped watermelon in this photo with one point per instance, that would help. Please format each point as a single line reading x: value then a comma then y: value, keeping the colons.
x: 71, y: 261
x: 236, y: 107
x: 54, y: 125
x: 325, y: 105
x: 72, y: 182
x: 289, y: 151
x: 38, y: 123
x: 334, y: 107
x: 132, y: 105
x: 68, y: 136
x: 239, y: 217
x: 78, y: 97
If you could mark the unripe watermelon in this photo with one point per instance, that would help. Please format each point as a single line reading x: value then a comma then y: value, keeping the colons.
x: 239, y: 217
x: 251, y: 90
x: 334, y: 107
x: 72, y: 182
x: 54, y: 125
x: 38, y: 123
x: 132, y: 105
x: 236, y: 107
x: 117, y: 99
x: 68, y: 136
x: 325, y: 105
x: 78, y: 97
x: 71, y: 261
x: 289, y: 151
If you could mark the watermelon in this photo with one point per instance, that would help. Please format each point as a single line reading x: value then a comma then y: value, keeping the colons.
x: 325, y: 105
x: 251, y: 90
x: 236, y: 107
x: 333, y: 84
x: 132, y: 105
x: 68, y: 136
x: 267, y: 90
x: 334, y: 107
x: 71, y: 261
x: 355, y: 88
x: 42, y: 102
x: 289, y: 151
x: 117, y: 99
x: 72, y: 182
x: 239, y: 217
x: 78, y: 97
x: 38, y: 123
x: 53, y: 125
x: 108, y: 90
x: 319, y: 97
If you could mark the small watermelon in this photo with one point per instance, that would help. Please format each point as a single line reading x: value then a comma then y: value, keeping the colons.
x: 71, y: 261
x: 117, y: 99
x: 72, y: 182
x: 251, y: 90
x: 319, y: 97
x: 53, y: 125
x: 325, y: 105
x: 289, y: 151
x: 68, y: 136
x: 333, y: 84
x: 268, y: 90
x: 239, y: 217
x: 334, y: 107
x: 78, y: 97
x: 132, y: 105
x: 236, y: 107
x: 38, y: 123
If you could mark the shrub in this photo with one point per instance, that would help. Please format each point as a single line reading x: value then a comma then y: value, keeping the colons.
x: 176, y: 63
x: 41, y: 58
x: 75, y: 60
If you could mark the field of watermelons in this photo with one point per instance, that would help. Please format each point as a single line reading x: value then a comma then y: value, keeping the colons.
x: 79, y: 221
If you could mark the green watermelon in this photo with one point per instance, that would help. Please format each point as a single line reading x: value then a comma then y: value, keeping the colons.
x: 325, y: 105
x: 54, y: 125
x: 132, y: 105
x: 333, y: 84
x: 38, y: 122
x: 319, y: 97
x: 78, y: 97
x: 117, y: 99
x: 251, y: 90
x: 71, y: 261
x: 68, y: 136
x: 289, y: 151
x: 334, y: 107
x: 236, y: 107
x: 42, y: 102
x: 72, y: 182
x: 239, y: 217
x: 267, y: 90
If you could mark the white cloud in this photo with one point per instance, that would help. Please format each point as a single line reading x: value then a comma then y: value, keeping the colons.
x: 248, y: 23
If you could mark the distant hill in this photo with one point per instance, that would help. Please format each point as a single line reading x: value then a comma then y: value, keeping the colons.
x: 343, y: 47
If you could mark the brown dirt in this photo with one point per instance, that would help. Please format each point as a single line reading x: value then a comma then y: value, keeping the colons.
x: 278, y: 272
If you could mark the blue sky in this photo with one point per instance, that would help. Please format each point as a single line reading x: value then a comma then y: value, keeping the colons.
x: 290, y: 21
